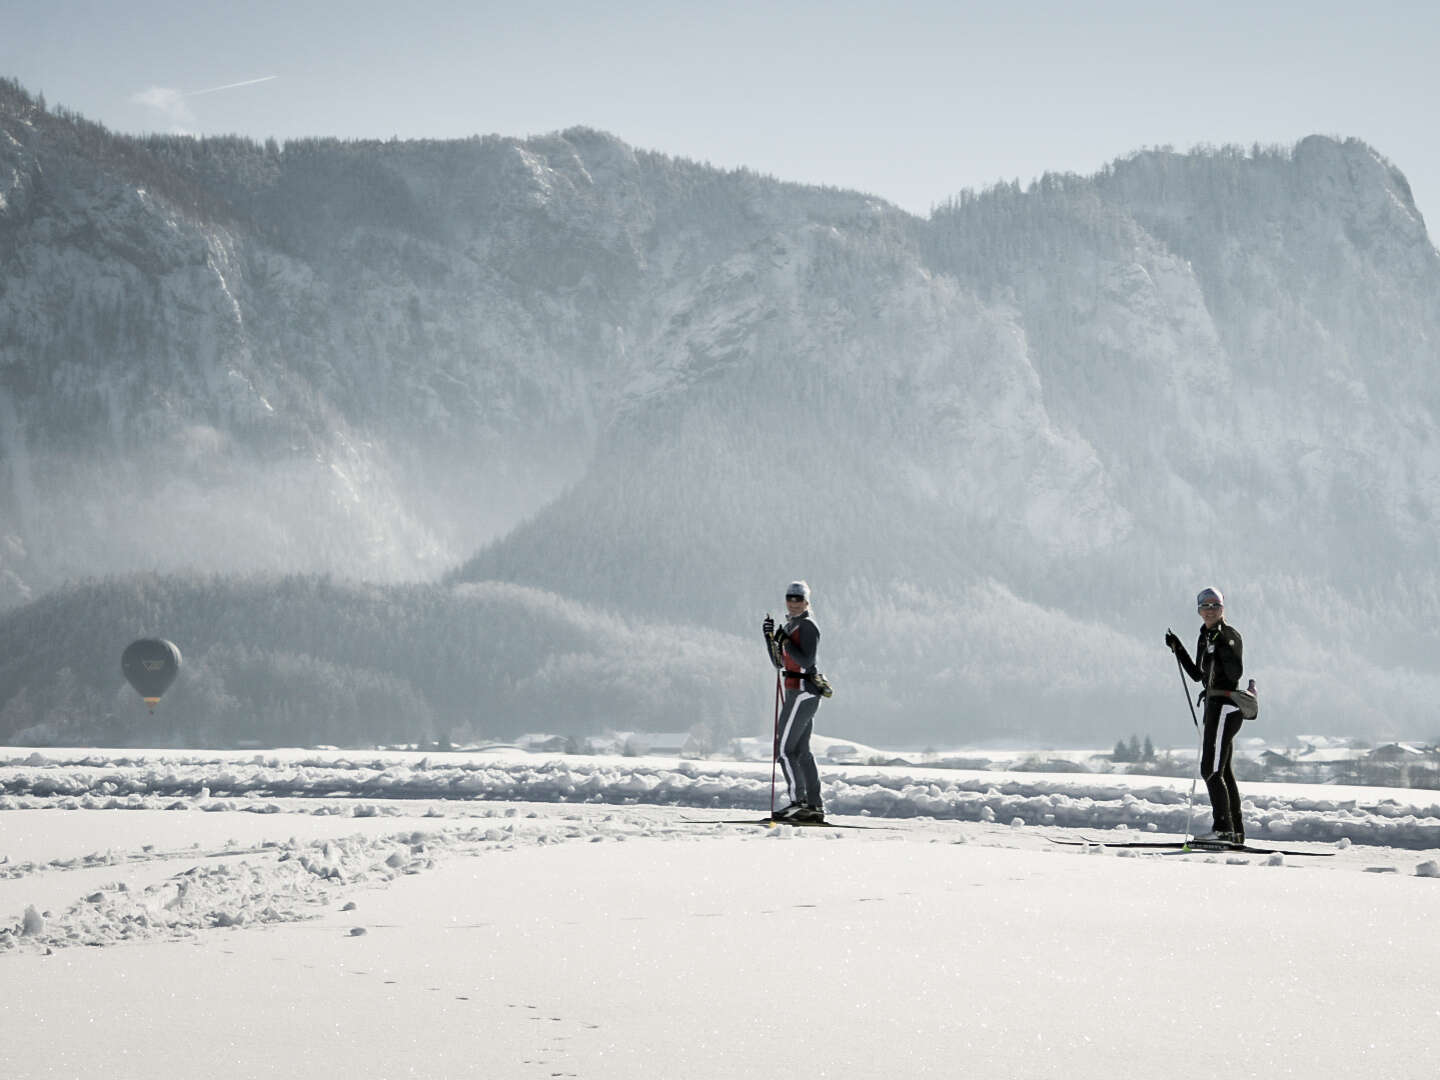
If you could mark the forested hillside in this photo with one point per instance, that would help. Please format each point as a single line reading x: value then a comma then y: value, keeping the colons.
x: 1006, y: 444
x: 286, y: 661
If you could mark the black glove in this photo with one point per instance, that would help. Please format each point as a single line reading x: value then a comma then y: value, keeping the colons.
x: 769, y: 627
x: 1171, y: 641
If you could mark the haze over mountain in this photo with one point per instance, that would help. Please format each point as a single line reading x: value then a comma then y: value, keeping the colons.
x: 1005, y: 444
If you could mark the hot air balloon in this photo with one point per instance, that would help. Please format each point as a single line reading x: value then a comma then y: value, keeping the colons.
x: 150, y: 665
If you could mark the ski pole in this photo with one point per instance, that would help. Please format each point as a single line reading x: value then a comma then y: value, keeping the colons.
x: 775, y: 743
x: 1199, y: 748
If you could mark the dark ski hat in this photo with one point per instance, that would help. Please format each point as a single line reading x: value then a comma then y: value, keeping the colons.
x: 797, y: 588
x: 1209, y: 596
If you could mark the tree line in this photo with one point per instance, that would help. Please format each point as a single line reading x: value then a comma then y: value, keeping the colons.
x: 304, y: 660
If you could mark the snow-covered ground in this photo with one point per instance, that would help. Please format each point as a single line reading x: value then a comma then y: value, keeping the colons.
x: 507, y: 915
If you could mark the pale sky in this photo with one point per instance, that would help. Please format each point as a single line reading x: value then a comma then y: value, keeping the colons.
x: 911, y: 100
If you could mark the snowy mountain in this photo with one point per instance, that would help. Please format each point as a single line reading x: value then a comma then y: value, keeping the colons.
x: 1005, y: 444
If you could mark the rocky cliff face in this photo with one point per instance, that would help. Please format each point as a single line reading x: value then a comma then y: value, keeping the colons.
x: 1007, y: 443
x: 362, y: 358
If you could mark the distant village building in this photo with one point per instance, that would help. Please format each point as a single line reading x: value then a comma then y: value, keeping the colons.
x: 660, y: 743
x: 1273, y: 759
x: 1398, y: 752
x: 645, y: 744
x: 541, y: 743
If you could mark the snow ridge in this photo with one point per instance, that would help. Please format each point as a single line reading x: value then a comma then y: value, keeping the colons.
x: 1291, y: 812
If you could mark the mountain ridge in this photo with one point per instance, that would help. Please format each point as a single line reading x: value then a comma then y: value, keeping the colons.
x: 1034, y: 420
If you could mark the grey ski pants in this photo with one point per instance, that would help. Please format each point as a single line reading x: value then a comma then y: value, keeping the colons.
x: 797, y: 721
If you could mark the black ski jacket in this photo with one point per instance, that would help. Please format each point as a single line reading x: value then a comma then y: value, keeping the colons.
x: 1219, y: 658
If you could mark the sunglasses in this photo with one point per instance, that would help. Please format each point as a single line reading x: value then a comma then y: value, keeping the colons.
x: 794, y: 598
x: 1209, y: 607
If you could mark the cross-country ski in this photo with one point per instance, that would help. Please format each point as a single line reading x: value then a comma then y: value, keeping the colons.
x: 1183, y: 846
x: 775, y: 822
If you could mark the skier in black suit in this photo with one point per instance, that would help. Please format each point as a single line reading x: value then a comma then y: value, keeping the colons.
x: 1218, y: 665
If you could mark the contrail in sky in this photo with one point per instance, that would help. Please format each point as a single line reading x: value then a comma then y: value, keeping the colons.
x: 231, y: 86
x: 171, y: 103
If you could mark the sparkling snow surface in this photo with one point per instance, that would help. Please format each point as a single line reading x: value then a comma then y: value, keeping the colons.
x: 366, y: 915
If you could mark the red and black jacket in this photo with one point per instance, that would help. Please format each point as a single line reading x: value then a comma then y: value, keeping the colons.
x: 797, y: 641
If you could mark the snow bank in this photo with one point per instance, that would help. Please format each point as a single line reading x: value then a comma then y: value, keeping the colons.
x: 1404, y: 818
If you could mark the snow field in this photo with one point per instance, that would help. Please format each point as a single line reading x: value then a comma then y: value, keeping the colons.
x: 256, y: 936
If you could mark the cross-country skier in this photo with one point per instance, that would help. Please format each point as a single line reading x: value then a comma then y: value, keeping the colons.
x: 792, y: 650
x: 1217, y: 666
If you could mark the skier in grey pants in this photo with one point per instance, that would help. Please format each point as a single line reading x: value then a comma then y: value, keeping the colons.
x: 792, y: 650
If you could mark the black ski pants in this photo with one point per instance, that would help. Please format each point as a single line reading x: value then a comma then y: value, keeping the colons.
x: 1217, y: 748
x: 792, y: 747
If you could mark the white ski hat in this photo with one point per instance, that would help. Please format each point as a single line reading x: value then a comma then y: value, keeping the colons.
x: 797, y: 588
